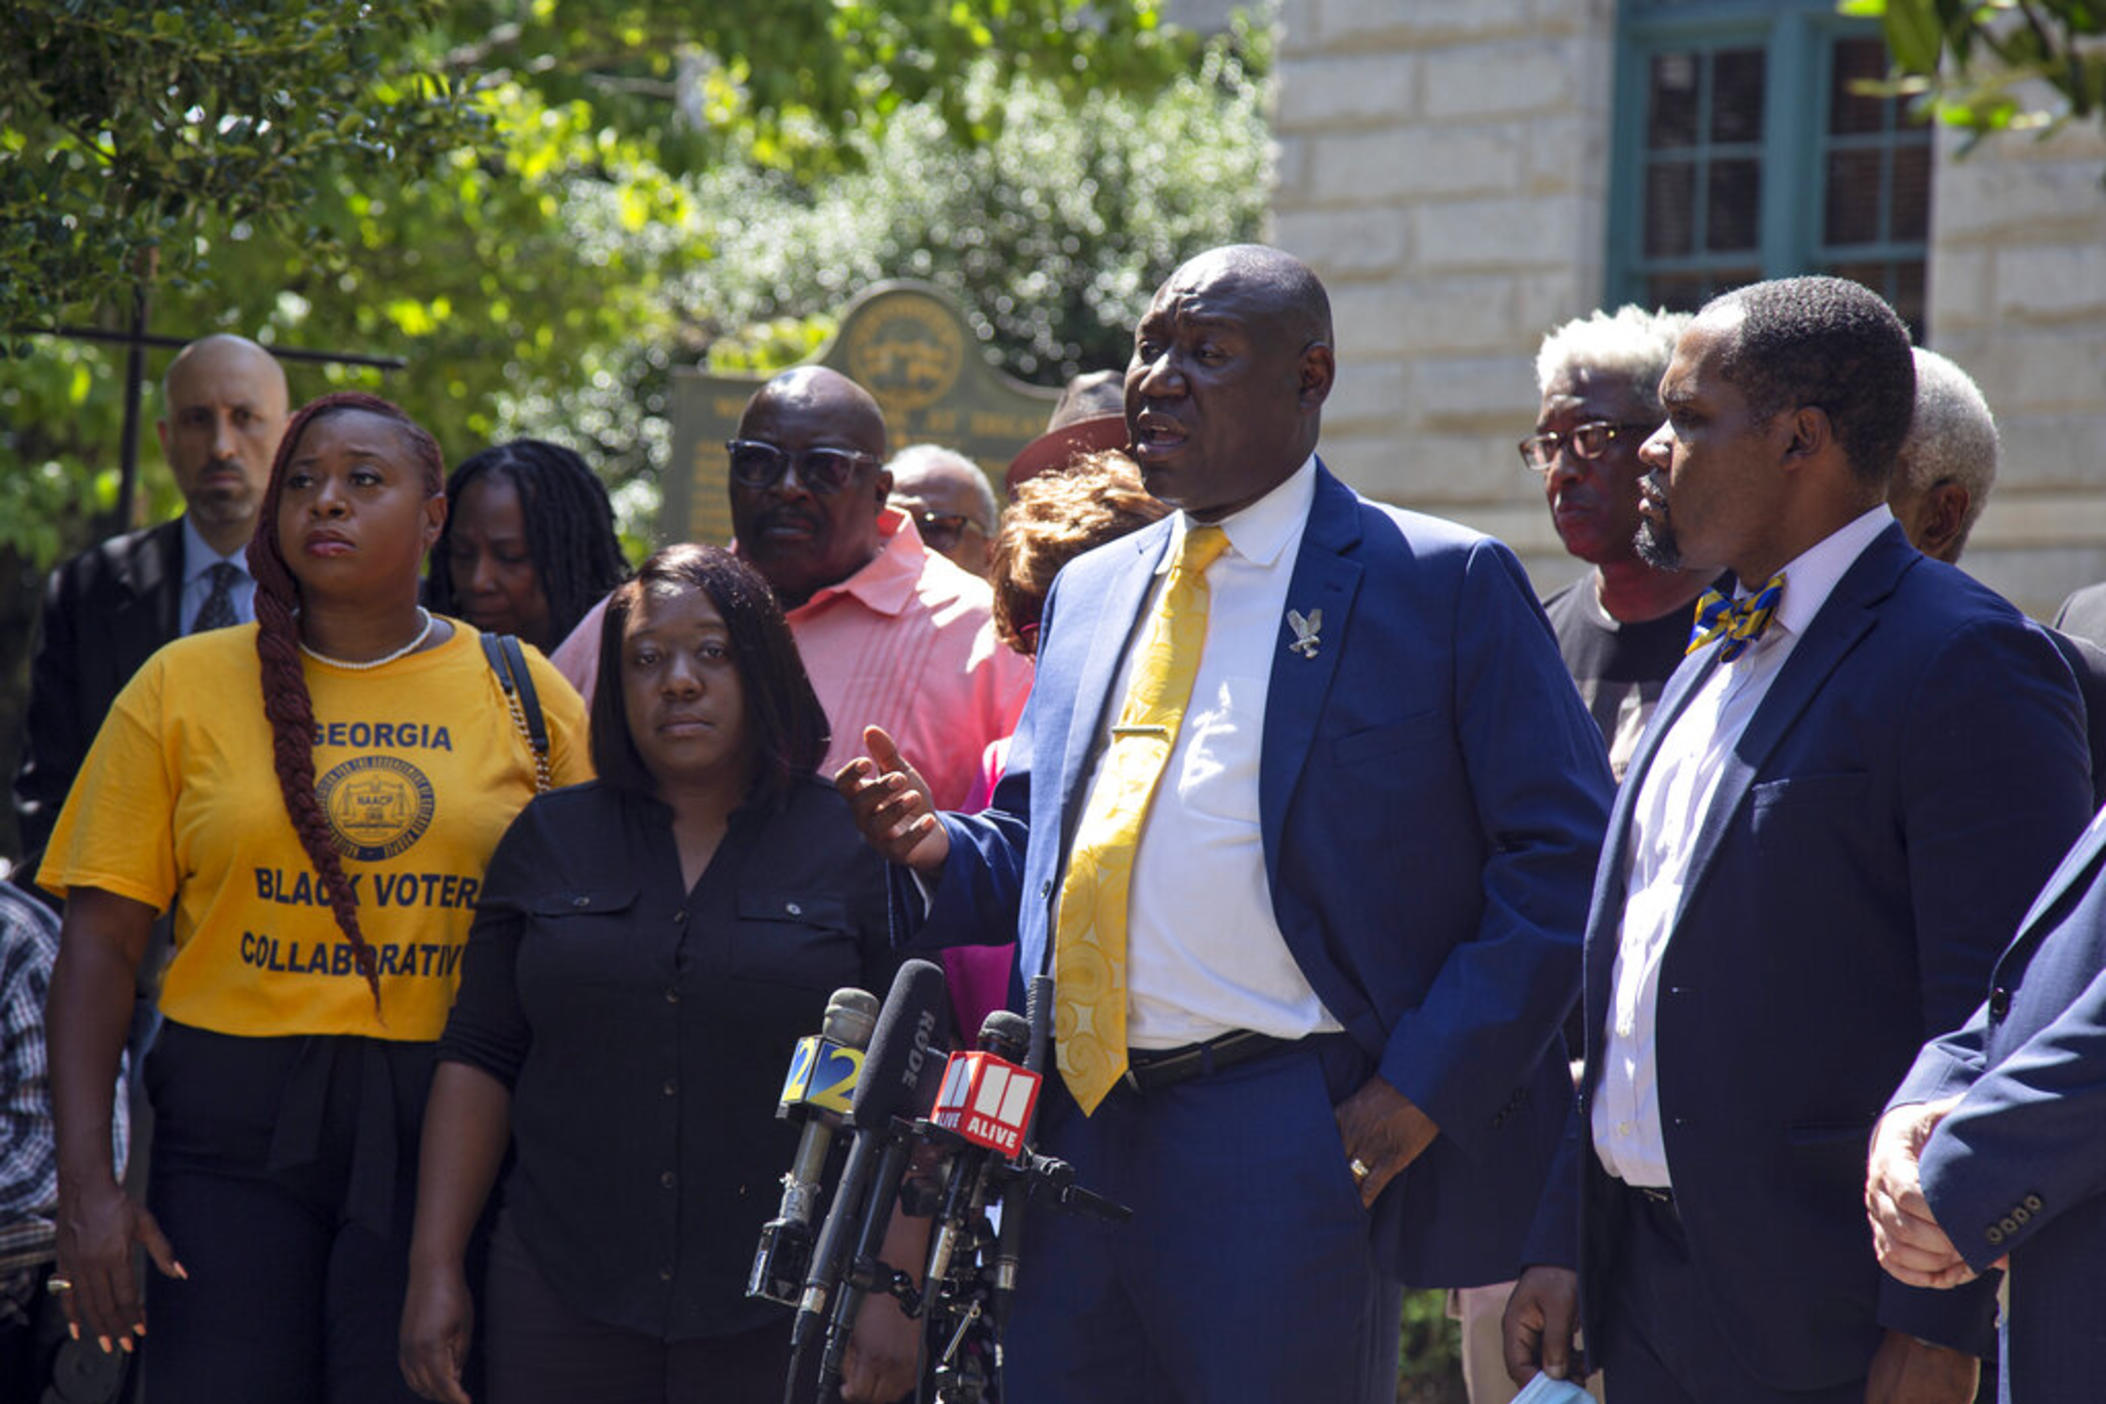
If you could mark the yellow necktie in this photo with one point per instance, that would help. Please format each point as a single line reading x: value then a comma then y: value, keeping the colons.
x: 1089, y: 951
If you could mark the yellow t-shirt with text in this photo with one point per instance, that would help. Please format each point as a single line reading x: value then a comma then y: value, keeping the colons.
x: 419, y: 768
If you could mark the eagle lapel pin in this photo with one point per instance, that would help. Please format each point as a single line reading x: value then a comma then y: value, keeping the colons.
x: 1305, y: 631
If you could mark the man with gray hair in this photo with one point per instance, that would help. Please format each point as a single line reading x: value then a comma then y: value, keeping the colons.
x: 1941, y: 483
x: 1622, y: 627
x: 1948, y: 463
x: 950, y: 502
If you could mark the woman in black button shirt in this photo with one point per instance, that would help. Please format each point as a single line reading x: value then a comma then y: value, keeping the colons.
x: 647, y: 950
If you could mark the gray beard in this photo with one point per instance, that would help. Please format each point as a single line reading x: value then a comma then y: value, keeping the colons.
x: 1656, y: 546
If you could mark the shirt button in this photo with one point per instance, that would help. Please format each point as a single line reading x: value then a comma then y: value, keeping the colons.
x: 793, y: 909
x: 672, y: 1087
x: 1045, y: 890
x: 667, y: 1179
x: 1623, y: 1030
x: 1623, y: 1128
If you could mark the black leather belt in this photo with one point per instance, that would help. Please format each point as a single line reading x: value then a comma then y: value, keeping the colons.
x: 1153, y: 1070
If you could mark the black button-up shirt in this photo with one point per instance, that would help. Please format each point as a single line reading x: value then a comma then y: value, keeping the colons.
x: 644, y: 1031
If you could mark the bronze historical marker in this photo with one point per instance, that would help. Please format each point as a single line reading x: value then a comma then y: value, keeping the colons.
x: 907, y: 345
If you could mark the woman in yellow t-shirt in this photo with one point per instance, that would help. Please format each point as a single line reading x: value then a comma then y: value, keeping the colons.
x: 322, y: 854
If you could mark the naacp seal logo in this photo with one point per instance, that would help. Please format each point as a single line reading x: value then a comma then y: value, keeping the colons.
x: 906, y: 350
x: 377, y: 806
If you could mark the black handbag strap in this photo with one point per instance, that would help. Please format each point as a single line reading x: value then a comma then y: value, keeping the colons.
x: 508, y: 661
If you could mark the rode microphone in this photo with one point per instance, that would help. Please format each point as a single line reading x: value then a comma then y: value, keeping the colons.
x: 902, y: 1051
x: 823, y: 1077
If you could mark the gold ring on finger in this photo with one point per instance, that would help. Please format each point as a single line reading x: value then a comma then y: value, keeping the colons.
x: 1360, y: 1170
x: 55, y: 1284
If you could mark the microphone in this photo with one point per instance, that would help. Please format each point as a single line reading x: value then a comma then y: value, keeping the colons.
x: 822, y: 1078
x: 1009, y: 1243
x: 987, y: 1101
x: 893, y: 1073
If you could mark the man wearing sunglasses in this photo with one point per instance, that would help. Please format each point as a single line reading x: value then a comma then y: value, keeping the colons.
x: 952, y: 505
x: 892, y: 634
x: 1623, y: 625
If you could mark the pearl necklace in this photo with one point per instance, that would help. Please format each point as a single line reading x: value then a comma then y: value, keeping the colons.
x: 411, y: 647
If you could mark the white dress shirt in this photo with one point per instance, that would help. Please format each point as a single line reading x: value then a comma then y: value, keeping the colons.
x: 1204, y: 953
x: 1666, y: 817
x: 198, y: 560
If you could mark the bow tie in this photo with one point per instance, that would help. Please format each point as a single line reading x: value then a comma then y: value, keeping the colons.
x: 1739, y: 622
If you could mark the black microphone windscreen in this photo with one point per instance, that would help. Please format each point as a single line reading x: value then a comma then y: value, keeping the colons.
x: 909, y: 1035
x: 1006, y: 1034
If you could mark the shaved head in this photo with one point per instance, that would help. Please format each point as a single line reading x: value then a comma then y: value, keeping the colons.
x: 1285, y: 286
x: 224, y: 408
x: 808, y: 528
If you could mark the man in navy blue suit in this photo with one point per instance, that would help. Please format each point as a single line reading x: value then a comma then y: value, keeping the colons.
x: 1991, y: 1153
x: 1845, y: 798
x: 1350, y: 916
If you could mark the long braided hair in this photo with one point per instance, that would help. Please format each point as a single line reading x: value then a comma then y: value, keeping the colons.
x: 285, y: 698
x: 569, y: 529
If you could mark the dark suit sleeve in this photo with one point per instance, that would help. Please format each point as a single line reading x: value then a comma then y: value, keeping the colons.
x: 2000, y: 787
x: 1541, y: 788
x: 55, y: 734
x: 2028, y: 1141
x: 975, y: 898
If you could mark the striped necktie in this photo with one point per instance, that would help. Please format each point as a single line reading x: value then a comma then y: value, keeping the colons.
x: 1089, y: 952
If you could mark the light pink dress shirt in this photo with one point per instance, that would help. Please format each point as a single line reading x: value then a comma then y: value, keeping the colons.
x: 906, y: 643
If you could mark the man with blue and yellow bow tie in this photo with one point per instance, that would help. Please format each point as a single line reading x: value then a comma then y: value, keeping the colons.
x: 1846, y: 797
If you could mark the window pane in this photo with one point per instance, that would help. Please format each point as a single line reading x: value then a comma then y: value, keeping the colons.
x: 1735, y: 200
x: 1856, y: 60
x: 1911, y: 194
x: 1671, y: 115
x: 1686, y: 292
x: 1736, y: 95
x: 1852, y: 198
x: 1670, y: 208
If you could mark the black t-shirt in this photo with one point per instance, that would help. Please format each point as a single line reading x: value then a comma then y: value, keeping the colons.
x: 1619, y: 668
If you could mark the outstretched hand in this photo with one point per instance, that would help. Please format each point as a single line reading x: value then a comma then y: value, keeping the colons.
x: 892, y: 805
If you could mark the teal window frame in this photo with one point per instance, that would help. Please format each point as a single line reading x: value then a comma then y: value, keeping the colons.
x: 1798, y: 38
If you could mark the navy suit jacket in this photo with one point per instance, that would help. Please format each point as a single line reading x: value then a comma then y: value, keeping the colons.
x: 1915, y: 770
x: 105, y: 612
x: 2019, y: 1167
x: 1431, y: 799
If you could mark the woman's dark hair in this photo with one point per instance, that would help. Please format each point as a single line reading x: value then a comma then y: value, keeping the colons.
x: 785, y: 725
x: 285, y: 698
x: 569, y: 528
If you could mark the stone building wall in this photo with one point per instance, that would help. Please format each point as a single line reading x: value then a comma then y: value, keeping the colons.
x: 1444, y: 164
x: 2018, y: 298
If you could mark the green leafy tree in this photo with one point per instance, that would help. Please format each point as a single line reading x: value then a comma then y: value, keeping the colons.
x: 1997, y: 65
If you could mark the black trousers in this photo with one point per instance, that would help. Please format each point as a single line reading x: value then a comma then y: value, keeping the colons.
x: 543, y: 1351
x: 284, y: 1174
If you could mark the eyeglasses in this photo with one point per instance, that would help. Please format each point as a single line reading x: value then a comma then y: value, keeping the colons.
x: 823, y: 471
x: 1539, y: 452
x: 942, y: 530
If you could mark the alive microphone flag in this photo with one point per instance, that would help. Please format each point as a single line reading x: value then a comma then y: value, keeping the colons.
x: 987, y: 1100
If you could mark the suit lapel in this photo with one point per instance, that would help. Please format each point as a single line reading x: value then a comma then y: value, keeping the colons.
x: 1110, y: 625
x: 1849, y: 613
x: 148, y: 610
x: 1325, y: 578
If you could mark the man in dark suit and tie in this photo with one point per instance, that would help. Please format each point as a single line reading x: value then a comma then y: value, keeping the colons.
x: 1299, y: 817
x: 107, y: 610
x: 1848, y: 793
